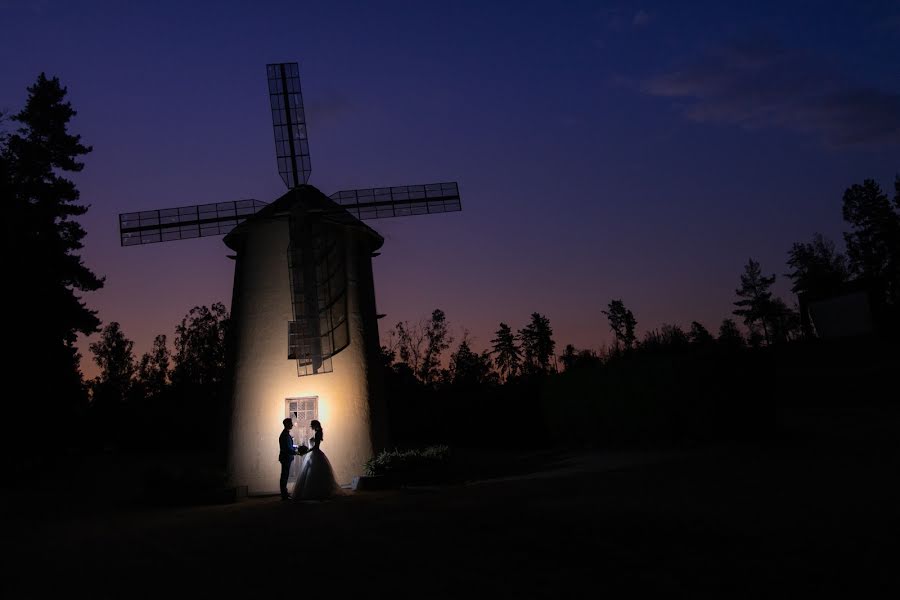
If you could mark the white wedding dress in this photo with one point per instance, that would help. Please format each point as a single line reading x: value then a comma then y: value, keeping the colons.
x: 316, y: 479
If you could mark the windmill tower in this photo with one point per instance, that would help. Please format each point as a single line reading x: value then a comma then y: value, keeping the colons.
x: 303, y: 304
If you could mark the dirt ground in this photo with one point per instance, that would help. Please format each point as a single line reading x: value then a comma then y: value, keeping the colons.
x: 816, y: 510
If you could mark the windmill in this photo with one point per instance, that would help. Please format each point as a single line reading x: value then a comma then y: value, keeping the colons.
x: 303, y: 304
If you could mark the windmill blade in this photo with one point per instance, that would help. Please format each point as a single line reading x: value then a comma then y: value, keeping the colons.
x: 289, y: 122
x: 185, y: 222
x: 318, y: 275
x: 402, y: 201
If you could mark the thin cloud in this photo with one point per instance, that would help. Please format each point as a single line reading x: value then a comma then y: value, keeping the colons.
x: 763, y: 84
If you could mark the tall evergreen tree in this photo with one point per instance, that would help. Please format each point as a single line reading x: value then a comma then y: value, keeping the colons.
x: 42, y: 241
x: 755, y: 305
x: 537, y: 344
x: 873, y: 244
x: 507, y: 355
x: 469, y: 368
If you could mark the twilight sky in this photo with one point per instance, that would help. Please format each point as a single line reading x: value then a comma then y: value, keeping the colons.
x: 633, y: 150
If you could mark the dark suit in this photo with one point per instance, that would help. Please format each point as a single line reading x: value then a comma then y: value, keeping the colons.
x: 285, y: 457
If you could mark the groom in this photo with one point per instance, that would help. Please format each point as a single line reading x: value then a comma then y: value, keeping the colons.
x: 286, y: 452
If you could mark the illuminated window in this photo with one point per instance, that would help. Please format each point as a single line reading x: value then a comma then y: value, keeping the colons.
x: 302, y: 411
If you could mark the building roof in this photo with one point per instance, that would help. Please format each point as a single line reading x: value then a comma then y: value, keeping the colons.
x: 308, y: 199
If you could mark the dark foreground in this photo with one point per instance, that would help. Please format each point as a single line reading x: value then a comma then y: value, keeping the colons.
x: 816, y: 510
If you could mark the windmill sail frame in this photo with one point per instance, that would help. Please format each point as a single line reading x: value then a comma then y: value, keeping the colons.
x: 289, y: 123
x: 318, y: 280
x: 184, y: 222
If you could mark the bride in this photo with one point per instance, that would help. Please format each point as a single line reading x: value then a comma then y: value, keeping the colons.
x: 316, y: 479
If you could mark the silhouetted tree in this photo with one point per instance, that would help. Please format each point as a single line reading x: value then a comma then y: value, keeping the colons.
x: 784, y: 321
x: 756, y: 304
x: 873, y: 245
x: 469, y: 368
x: 700, y: 335
x: 398, y: 375
x: 43, y: 265
x: 421, y: 346
x: 507, y: 355
x: 388, y: 356
x: 537, y: 344
x: 200, y: 347
x: 652, y: 340
x: 667, y: 338
x: 437, y: 339
x: 567, y: 358
x: 621, y: 322
x: 153, y: 369
x: 816, y: 267
x: 196, y: 406
x: 897, y: 192
x: 729, y: 335
x: 409, y: 341
x: 4, y: 139
x: 114, y: 354
x: 673, y: 336
x: 573, y: 359
x: 755, y: 337
x: 112, y: 388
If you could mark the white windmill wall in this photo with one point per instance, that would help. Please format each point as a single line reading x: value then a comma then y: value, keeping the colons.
x: 264, y: 377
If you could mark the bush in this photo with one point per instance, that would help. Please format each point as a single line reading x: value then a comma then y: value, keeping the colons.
x: 428, y: 464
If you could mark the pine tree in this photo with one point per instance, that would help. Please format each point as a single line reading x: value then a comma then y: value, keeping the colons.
x: 468, y: 368
x: 755, y: 305
x: 537, y: 344
x: 873, y: 246
x: 507, y: 355
x: 42, y: 243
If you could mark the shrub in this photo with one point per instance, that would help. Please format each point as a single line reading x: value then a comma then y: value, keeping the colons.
x: 416, y: 465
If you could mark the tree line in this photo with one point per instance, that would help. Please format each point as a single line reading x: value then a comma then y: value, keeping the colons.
x: 816, y: 269
x: 180, y: 396
x: 669, y: 383
x: 49, y: 278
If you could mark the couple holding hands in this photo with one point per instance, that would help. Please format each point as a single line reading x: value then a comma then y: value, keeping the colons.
x: 316, y: 479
